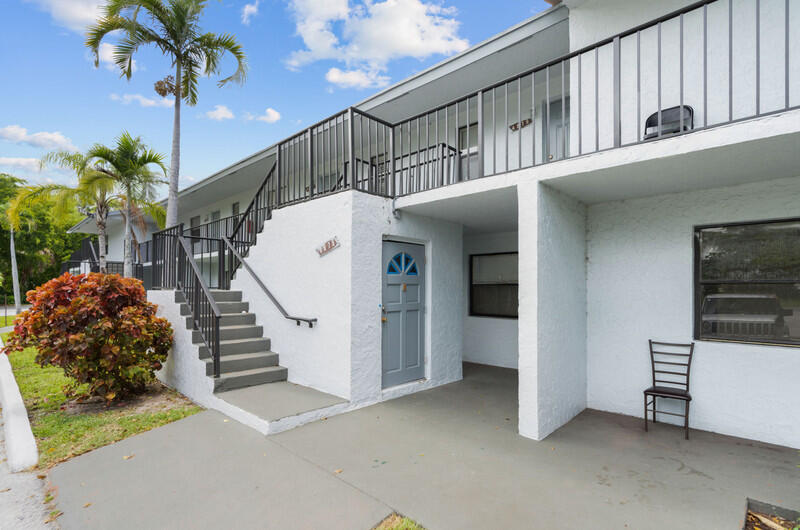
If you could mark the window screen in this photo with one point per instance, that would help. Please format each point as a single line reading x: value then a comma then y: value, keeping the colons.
x: 494, y: 285
x: 747, y: 282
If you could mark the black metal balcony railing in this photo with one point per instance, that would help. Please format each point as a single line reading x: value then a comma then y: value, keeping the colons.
x: 144, y: 252
x: 112, y: 267
x: 712, y: 63
x: 86, y: 259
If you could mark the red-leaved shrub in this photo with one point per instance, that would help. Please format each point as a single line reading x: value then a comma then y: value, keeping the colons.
x: 99, y: 328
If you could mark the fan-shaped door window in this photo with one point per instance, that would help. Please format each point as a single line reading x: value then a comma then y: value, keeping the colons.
x: 402, y: 263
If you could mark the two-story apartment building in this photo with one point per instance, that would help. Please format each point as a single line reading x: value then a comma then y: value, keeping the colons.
x: 604, y: 173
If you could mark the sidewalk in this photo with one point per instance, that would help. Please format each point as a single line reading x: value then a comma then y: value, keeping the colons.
x: 206, y: 471
x: 21, y: 496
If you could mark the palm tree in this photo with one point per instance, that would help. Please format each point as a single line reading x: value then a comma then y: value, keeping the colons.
x: 95, y: 196
x: 173, y: 27
x: 128, y: 165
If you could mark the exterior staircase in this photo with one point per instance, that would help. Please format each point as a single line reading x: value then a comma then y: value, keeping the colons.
x: 245, y: 356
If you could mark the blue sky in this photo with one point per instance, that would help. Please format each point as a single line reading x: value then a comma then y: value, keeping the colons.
x: 308, y: 59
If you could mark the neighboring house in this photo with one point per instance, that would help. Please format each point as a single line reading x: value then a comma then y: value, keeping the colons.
x: 525, y: 204
x: 86, y: 258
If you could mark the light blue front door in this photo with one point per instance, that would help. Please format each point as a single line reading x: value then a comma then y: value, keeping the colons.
x: 403, y: 313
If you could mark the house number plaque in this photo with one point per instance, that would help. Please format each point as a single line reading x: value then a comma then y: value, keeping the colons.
x: 328, y: 246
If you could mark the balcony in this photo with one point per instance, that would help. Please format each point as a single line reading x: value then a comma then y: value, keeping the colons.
x: 713, y: 63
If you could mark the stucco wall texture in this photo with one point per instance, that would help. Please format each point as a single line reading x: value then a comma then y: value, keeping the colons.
x: 373, y: 222
x: 307, y: 285
x: 552, y: 309
x: 640, y: 286
x: 341, y: 355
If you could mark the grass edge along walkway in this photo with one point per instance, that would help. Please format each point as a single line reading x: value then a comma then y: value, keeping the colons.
x: 61, y: 434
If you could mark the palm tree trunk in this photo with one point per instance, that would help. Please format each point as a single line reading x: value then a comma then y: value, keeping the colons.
x: 127, y: 268
x: 100, y: 219
x: 175, y: 162
x: 15, y: 275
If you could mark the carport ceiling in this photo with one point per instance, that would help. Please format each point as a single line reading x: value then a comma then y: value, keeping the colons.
x: 484, y: 212
x: 739, y: 163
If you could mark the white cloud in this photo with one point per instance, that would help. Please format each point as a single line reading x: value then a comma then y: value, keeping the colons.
x: 106, y: 55
x: 270, y: 116
x: 27, y: 164
x: 220, y: 112
x: 127, y: 99
x: 368, y: 35
x: 72, y: 14
x: 249, y: 11
x: 356, y: 78
x: 44, y: 139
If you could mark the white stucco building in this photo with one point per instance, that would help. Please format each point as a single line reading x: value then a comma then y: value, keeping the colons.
x: 604, y: 173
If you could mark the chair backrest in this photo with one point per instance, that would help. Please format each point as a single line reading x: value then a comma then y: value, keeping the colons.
x: 670, y: 121
x: 670, y: 363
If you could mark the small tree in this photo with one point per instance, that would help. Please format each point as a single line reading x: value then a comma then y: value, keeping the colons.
x: 128, y: 164
x: 98, y: 328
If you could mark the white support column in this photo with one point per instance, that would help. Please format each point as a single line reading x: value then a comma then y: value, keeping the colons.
x: 552, y: 309
x: 528, y: 201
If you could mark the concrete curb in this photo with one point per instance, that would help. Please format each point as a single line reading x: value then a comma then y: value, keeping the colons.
x: 20, y: 443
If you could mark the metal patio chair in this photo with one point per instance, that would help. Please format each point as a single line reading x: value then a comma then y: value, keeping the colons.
x: 670, y: 364
x: 670, y: 122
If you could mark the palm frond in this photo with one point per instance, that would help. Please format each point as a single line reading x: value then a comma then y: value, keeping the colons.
x: 156, y: 212
x: 213, y: 46
x: 96, y: 33
x: 61, y: 198
x: 191, y: 72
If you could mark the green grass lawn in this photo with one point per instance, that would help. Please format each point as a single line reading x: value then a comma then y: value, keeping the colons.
x: 64, y: 430
x: 6, y: 321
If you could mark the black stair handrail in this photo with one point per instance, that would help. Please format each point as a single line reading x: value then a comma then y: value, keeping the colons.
x: 204, y: 310
x: 256, y: 204
x: 238, y: 257
x: 249, y: 225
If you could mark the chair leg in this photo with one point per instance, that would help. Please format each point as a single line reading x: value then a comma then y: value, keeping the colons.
x: 645, y: 413
x: 655, y: 399
x: 686, y: 420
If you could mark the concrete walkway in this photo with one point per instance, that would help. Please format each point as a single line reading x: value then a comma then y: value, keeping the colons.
x: 21, y: 496
x: 206, y: 471
x: 449, y: 458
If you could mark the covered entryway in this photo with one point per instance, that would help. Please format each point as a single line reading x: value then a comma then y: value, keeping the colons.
x: 403, y: 313
x: 474, y: 277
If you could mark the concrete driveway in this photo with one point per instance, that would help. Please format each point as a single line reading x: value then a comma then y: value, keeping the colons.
x: 449, y: 458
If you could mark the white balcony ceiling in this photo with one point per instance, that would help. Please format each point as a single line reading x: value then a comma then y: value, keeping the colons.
x: 237, y: 178
x: 521, y: 48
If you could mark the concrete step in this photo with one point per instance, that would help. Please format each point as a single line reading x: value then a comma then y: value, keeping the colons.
x: 219, y: 295
x: 226, y: 308
x: 224, y: 295
x: 232, y: 347
x: 232, y: 333
x: 252, y: 377
x: 242, y: 361
x: 233, y: 319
